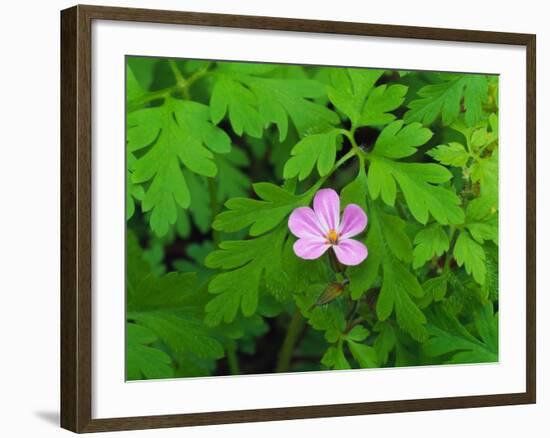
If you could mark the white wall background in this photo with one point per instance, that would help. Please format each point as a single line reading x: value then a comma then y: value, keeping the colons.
x: 29, y: 215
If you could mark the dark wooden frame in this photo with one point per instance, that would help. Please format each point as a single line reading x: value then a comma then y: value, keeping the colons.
x: 76, y: 236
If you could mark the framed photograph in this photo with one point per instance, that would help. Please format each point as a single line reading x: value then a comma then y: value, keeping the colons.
x: 269, y: 219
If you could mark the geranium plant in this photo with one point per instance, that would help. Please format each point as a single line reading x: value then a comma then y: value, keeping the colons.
x: 300, y: 218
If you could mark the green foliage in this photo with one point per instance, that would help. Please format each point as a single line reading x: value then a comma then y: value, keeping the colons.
x: 239, y: 288
x: 264, y: 215
x: 252, y: 102
x: 167, y: 309
x: 397, y: 293
x: 218, y: 156
x: 446, y: 97
x: 419, y: 182
x: 452, y: 154
x: 176, y: 133
x: 469, y: 253
x: 315, y: 148
x: 142, y: 360
x: 456, y: 344
x: 430, y: 242
x: 352, y: 91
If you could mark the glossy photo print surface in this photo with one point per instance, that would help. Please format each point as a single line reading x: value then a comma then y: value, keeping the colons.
x: 287, y: 218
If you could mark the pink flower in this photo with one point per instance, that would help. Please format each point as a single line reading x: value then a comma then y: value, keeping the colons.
x: 320, y: 229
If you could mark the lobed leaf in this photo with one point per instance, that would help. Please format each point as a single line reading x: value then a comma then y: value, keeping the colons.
x: 175, y: 134
x: 452, y: 154
x: 469, y: 253
x: 315, y: 148
x: 430, y: 242
x: 445, y: 98
x: 398, y: 288
x: 142, y: 359
x: 274, y: 205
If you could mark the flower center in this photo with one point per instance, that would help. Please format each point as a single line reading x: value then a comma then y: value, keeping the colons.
x: 332, y: 236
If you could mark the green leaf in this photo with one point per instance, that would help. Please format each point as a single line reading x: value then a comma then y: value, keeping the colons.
x: 417, y: 180
x: 175, y: 134
x: 200, y: 207
x: 475, y: 93
x: 142, y: 68
x: 464, y: 293
x: 315, y: 148
x: 490, y: 287
x: 364, y: 354
x: 418, y: 183
x: 352, y: 91
x: 398, y: 286
x: 133, y: 89
x: 452, y: 154
x: 253, y: 102
x: 265, y: 214
x: 449, y: 337
x: 171, y: 306
x: 482, y: 220
x: 363, y: 277
x: 142, y: 359
x: 380, y: 102
x: 358, y: 334
x: 469, y: 253
x: 445, y: 98
x: 398, y: 141
x: 133, y: 191
x: 435, y: 289
x: 485, y: 172
x: 232, y: 181
x: 350, y: 88
x: 182, y: 333
x: 396, y: 240
x: 296, y: 275
x: 335, y: 358
x: 486, y: 324
x: 430, y: 242
x: 279, y: 99
x: 329, y: 318
x: 386, y: 241
x: 247, y: 261
x: 233, y: 98
x: 356, y: 191
x: 385, y: 341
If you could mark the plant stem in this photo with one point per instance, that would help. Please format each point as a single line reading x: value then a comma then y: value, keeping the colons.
x: 292, y: 334
x: 149, y: 97
x: 180, y: 81
x: 182, y: 86
x: 232, y: 359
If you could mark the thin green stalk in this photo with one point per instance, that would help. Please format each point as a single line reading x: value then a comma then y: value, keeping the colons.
x: 350, y: 135
x: 180, y: 80
x: 182, y: 86
x: 295, y: 327
x: 149, y: 97
x: 232, y: 359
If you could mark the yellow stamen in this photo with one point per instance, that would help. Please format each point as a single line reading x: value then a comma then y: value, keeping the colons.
x: 332, y: 236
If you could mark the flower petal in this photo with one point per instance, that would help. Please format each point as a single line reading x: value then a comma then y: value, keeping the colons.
x: 354, y: 221
x: 326, y: 205
x: 350, y: 252
x: 310, y: 249
x: 303, y: 223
